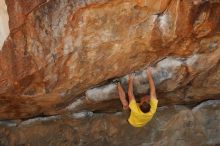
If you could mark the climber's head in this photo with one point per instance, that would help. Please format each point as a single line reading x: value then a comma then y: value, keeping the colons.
x: 144, y: 104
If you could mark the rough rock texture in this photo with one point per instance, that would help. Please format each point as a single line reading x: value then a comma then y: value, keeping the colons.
x: 171, y: 126
x: 4, y: 28
x: 59, y: 49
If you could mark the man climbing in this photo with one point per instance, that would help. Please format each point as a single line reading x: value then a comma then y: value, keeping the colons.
x: 141, y: 113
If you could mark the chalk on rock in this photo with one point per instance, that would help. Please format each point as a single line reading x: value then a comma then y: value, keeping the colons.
x: 103, y: 93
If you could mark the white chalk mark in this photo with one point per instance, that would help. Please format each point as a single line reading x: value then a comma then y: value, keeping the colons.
x: 39, y: 119
x: 192, y: 59
x: 81, y: 115
x: 164, y: 23
x: 103, y: 93
x: 75, y: 104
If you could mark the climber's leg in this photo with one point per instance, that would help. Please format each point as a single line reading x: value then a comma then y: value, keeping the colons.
x: 122, y: 96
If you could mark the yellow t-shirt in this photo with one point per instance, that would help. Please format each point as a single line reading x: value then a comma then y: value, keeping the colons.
x: 137, y: 117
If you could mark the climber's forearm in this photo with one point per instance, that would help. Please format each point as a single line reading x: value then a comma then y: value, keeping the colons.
x: 151, y: 85
x: 130, y: 89
x: 122, y: 96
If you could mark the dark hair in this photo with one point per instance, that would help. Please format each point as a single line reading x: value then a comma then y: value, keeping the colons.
x: 145, y: 107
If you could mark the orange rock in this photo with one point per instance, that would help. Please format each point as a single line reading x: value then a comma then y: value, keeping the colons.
x: 57, y: 50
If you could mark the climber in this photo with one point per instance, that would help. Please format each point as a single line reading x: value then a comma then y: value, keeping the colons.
x: 141, y: 113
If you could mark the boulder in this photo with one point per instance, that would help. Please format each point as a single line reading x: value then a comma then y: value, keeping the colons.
x: 172, y: 125
x: 60, y: 52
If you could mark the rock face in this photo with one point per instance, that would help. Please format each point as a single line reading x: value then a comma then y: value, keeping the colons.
x: 59, y: 51
x: 174, y: 125
x: 4, y: 28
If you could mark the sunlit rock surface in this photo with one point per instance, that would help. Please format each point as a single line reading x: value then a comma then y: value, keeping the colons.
x: 4, y: 26
x: 173, y: 125
x: 62, y: 55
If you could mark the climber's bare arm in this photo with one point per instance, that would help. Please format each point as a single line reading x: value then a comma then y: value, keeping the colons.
x: 130, y: 88
x: 151, y: 84
x: 122, y: 96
